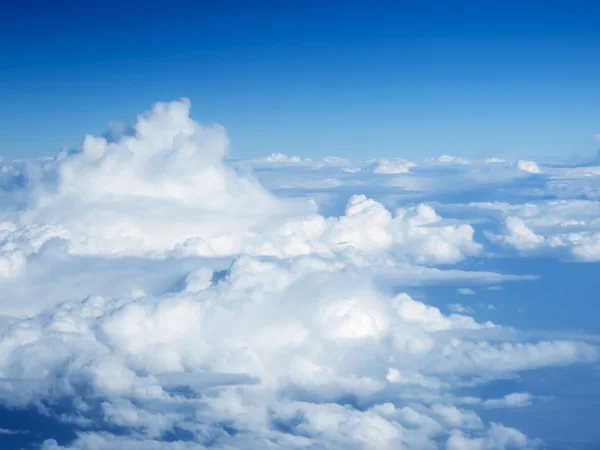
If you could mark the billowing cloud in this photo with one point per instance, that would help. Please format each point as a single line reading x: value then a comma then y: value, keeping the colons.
x: 569, y: 229
x: 158, y: 295
x: 528, y: 166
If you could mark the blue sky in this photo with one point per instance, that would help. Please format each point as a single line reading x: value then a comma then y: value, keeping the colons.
x: 390, y: 78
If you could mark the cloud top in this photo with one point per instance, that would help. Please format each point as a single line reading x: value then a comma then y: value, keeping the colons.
x: 157, y: 294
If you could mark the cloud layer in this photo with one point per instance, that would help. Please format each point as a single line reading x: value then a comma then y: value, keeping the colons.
x: 160, y: 295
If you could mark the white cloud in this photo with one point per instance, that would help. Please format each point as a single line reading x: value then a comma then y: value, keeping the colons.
x: 460, y: 309
x: 528, y: 166
x: 498, y: 437
x: 280, y: 158
x: 447, y: 159
x: 155, y: 287
x: 520, y: 235
x: 150, y: 191
x: 568, y: 228
x: 6, y: 431
x: 393, y: 166
x: 336, y: 161
x: 290, y: 324
x: 465, y: 291
x: 514, y: 400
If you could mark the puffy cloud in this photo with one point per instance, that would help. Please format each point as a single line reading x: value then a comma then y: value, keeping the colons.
x: 282, y: 323
x: 568, y: 228
x: 163, y: 187
x: 519, y: 235
x: 528, y: 166
x: 447, y: 159
x: 279, y: 322
x: 280, y: 158
x: 514, y: 400
x: 393, y: 166
x: 148, y: 191
x: 498, y: 437
x: 159, y: 296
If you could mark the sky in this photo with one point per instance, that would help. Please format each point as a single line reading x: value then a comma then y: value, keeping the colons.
x: 296, y: 226
x: 395, y: 79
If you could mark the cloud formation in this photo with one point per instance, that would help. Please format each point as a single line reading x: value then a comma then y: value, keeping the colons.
x: 159, y: 295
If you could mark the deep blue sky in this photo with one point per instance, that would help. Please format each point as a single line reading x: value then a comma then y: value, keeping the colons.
x: 410, y: 79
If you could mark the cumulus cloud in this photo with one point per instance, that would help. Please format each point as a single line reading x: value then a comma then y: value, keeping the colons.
x: 393, y: 166
x: 261, y: 341
x: 162, y: 185
x: 569, y: 229
x: 447, y: 159
x: 528, y: 166
x: 280, y: 158
x: 161, y: 296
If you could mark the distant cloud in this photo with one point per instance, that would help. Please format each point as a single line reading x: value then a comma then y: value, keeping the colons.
x: 528, y: 166
x: 465, y: 291
x: 514, y: 400
x: 447, y: 159
x: 5, y: 431
x: 280, y: 158
x: 393, y: 166
x: 460, y: 309
x: 494, y: 160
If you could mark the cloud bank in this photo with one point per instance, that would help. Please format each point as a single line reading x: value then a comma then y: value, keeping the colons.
x: 159, y: 295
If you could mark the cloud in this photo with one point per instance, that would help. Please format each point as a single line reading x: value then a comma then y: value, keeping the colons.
x: 157, y: 294
x: 514, y: 400
x: 460, y: 309
x: 447, y: 159
x: 146, y: 192
x: 393, y: 166
x: 247, y: 338
x: 465, y: 291
x: 498, y: 437
x: 280, y: 158
x: 567, y: 228
x: 528, y: 166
